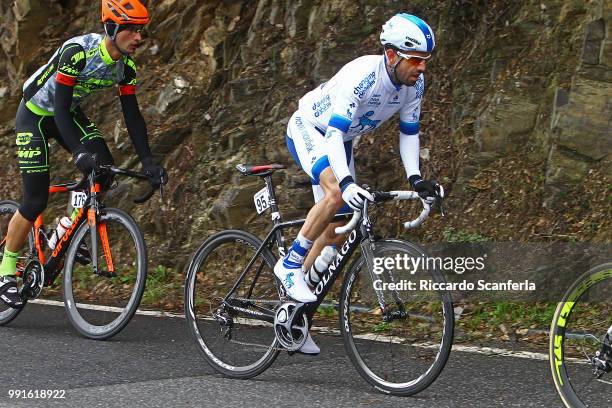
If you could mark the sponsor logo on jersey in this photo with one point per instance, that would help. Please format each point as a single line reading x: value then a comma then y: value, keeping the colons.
x: 321, y: 106
x: 68, y: 69
x: 365, y: 84
x: 394, y: 101
x: 305, y: 135
x: 92, y: 84
x: 419, y: 86
x: 45, y: 75
x: 365, y: 123
x: 374, y: 100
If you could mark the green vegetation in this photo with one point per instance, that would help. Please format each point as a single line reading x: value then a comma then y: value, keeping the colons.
x: 452, y: 235
x: 381, y: 327
x: 160, y: 281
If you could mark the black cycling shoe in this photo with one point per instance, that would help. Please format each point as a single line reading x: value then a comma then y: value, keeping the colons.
x: 9, y: 293
x: 83, y: 256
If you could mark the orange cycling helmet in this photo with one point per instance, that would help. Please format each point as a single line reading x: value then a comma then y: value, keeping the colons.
x: 124, y: 12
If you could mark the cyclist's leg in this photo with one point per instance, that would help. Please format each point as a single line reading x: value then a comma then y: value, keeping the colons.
x: 32, y: 153
x: 306, y: 145
x: 33, y: 156
x: 93, y: 141
x: 328, y: 182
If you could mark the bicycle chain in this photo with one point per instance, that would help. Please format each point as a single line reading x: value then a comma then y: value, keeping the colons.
x: 246, y: 343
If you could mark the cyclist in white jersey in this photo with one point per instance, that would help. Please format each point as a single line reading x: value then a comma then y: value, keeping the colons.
x: 363, y: 94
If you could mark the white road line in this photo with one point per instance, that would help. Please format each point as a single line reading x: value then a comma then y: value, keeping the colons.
x: 153, y: 313
x: 490, y: 351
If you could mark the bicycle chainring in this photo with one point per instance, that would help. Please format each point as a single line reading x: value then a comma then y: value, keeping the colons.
x: 291, y: 326
x: 33, y: 280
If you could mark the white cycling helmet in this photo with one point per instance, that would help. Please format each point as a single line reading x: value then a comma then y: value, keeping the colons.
x: 406, y: 33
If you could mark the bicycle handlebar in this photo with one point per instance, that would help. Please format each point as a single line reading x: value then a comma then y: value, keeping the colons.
x: 112, y: 170
x: 391, y: 195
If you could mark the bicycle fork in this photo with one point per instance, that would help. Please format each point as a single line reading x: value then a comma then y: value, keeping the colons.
x: 96, y: 228
x: 368, y: 247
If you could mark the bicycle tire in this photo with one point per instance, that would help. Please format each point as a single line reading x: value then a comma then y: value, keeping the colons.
x: 80, y: 317
x: 362, y: 328
x: 7, y: 314
x: 572, y: 328
x: 222, y: 359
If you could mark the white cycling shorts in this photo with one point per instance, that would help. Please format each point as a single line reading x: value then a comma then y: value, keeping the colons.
x: 306, y: 143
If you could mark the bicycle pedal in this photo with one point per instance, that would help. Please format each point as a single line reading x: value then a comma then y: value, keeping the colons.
x: 82, y: 259
x: 83, y: 256
x: 106, y: 274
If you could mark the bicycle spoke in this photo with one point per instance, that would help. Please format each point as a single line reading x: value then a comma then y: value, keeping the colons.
x: 100, y: 304
x: 232, y: 329
x: 397, y: 341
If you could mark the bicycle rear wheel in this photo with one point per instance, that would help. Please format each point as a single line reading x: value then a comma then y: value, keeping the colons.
x: 7, y: 210
x: 402, y: 349
x: 581, y: 341
x: 235, y: 341
x: 100, y: 306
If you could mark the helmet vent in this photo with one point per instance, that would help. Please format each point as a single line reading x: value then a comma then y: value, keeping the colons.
x: 408, y: 44
x: 129, y: 6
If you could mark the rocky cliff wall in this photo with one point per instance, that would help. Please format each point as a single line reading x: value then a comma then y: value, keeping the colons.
x: 516, y: 120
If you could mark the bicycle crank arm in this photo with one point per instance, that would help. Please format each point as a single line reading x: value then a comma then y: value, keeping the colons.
x: 106, y: 274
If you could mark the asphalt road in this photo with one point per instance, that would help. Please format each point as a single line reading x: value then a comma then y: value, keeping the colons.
x: 154, y: 363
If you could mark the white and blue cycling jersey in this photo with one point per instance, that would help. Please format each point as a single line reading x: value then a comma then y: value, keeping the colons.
x: 357, y: 100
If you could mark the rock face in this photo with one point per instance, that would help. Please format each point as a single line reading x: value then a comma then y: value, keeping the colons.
x: 516, y: 120
x: 582, y: 130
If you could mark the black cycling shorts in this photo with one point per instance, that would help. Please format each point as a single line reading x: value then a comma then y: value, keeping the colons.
x: 33, y: 134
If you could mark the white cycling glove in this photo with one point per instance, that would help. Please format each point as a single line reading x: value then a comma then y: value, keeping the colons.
x: 355, y: 196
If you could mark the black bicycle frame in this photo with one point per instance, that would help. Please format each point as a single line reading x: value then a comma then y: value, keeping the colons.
x: 347, y: 249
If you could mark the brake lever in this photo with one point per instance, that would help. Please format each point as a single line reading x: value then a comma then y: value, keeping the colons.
x: 439, y: 197
x: 438, y: 204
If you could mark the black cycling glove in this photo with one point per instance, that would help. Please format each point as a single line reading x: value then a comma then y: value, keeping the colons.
x: 428, y: 190
x: 84, y: 160
x: 157, y: 174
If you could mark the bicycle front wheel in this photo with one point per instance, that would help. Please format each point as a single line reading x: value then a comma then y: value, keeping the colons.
x: 7, y: 210
x: 580, y: 349
x: 399, y: 339
x: 100, y: 305
x: 231, y: 331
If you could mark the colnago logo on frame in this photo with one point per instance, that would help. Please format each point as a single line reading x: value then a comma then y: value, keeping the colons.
x: 334, y: 265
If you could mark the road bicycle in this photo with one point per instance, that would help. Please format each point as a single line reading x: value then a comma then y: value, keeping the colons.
x: 241, y: 318
x: 580, y: 350
x: 102, y: 255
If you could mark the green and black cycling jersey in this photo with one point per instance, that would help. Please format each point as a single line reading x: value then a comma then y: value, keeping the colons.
x: 50, y: 110
x: 84, y: 63
x: 83, y: 66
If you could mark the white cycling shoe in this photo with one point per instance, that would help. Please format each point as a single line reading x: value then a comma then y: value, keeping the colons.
x: 294, y: 283
x: 309, y: 347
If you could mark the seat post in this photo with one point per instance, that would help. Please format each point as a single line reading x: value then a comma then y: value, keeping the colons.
x: 276, y: 216
x: 273, y: 205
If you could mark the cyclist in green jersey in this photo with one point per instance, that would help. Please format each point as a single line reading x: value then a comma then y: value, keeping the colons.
x: 51, y: 109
